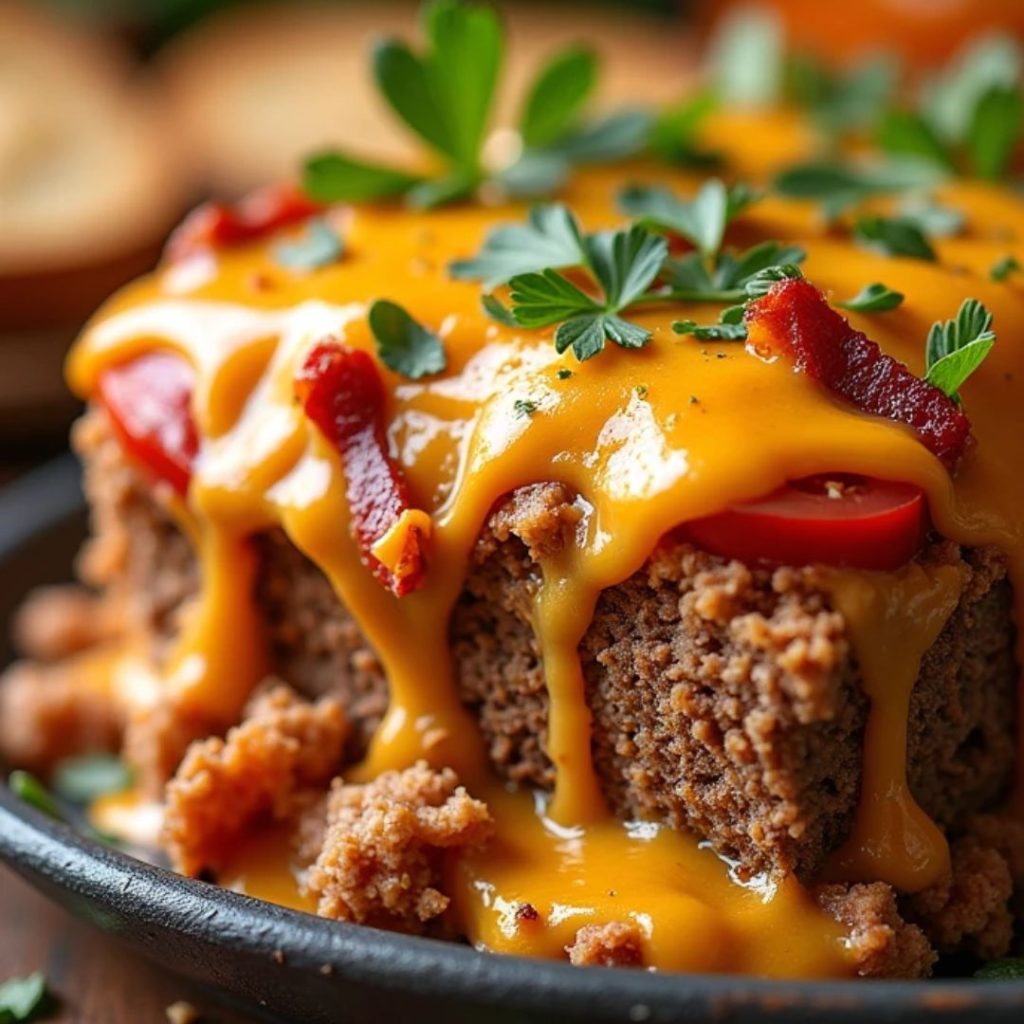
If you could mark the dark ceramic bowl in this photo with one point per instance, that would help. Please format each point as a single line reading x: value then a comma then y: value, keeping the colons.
x: 302, y: 968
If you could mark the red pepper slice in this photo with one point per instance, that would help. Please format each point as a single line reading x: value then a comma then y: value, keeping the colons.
x: 841, y: 520
x: 149, y: 400
x: 795, y: 320
x: 341, y: 390
x: 218, y: 225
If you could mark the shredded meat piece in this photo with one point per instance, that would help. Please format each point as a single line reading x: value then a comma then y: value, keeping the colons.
x: 881, y: 943
x: 55, y: 622
x: 968, y: 911
x: 264, y: 768
x: 615, y: 944
x: 382, y: 852
x: 46, y: 714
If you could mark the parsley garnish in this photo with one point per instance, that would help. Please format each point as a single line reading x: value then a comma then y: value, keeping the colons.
x: 893, y: 236
x: 524, y: 408
x: 956, y: 348
x: 701, y: 220
x: 622, y: 264
x: 80, y: 780
x: 320, y: 246
x: 28, y: 788
x: 727, y: 276
x: 711, y: 332
x: 873, y: 298
x: 21, y: 999
x: 931, y: 219
x: 1010, y: 968
x: 404, y: 345
x: 444, y: 94
x: 1004, y: 267
x: 564, y: 373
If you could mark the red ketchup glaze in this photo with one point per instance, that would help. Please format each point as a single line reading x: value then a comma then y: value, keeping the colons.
x: 218, y: 225
x: 149, y: 401
x: 794, y: 319
x: 838, y: 519
x: 342, y: 393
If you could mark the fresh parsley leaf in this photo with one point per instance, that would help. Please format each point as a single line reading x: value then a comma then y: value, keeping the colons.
x: 80, y: 780
x: 692, y: 279
x: 21, y: 999
x: 713, y: 332
x: 564, y: 373
x: 335, y: 178
x: 893, y: 236
x: 873, y: 298
x: 625, y: 262
x: 320, y: 246
x: 701, y: 220
x: 673, y: 134
x: 550, y: 239
x: 1004, y: 267
x: 994, y: 130
x: 841, y: 101
x: 547, y: 297
x: 557, y: 95
x: 1010, y: 968
x: 957, y: 347
x: 612, y: 137
x: 404, y: 345
x: 760, y: 283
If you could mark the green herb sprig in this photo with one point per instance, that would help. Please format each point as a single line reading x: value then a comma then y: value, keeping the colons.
x: 403, y: 344
x: 444, y: 94
x: 957, y: 347
x: 873, y: 298
x: 24, y: 999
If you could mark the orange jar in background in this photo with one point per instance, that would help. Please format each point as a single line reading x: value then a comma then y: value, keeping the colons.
x: 924, y: 32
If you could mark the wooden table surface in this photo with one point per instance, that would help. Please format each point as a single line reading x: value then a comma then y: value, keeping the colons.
x: 97, y: 979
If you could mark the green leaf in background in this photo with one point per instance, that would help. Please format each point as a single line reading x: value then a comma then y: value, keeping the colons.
x: 1004, y: 267
x: 28, y: 788
x: 556, y: 98
x: 873, y: 298
x: 22, y: 999
x: 893, y: 236
x: 404, y: 345
x: 1010, y: 968
x: 993, y: 131
x: 906, y: 133
x: 320, y: 246
x: 612, y: 137
x: 932, y: 220
x: 336, y: 178
x: 746, y: 58
x: 80, y: 780
x: 550, y: 239
x: 957, y: 347
x: 701, y: 220
x: 841, y: 101
x: 673, y: 133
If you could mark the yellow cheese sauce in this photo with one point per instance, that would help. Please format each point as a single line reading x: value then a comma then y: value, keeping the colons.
x: 648, y: 439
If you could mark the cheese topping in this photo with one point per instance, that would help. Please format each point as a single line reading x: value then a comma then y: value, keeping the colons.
x: 644, y: 456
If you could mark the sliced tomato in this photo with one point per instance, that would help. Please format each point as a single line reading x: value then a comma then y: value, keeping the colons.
x: 838, y: 520
x: 149, y: 400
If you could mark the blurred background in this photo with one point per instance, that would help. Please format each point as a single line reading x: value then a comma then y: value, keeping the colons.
x: 116, y: 116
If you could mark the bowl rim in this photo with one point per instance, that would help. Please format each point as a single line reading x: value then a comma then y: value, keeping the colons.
x: 121, y: 893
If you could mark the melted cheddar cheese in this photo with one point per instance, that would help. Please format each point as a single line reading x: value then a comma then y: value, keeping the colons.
x: 624, y: 433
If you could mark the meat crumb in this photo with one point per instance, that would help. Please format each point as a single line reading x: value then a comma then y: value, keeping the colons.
x: 381, y: 860
x: 615, y: 944
x: 56, y: 622
x: 263, y: 769
x: 880, y: 942
x: 968, y: 911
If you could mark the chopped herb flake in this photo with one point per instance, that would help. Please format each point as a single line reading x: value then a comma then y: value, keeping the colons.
x: 1004, y: 267
x: 320, y: 246
x: 524, y: 408
x: 404, y: 345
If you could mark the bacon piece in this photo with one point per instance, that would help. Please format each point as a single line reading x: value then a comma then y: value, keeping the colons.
x: 341, y: 390
x: 218, y: 225
x: 794, y: 319
x: 149, y: 400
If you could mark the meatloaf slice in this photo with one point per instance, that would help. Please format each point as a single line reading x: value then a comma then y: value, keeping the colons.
x: 725, y: 698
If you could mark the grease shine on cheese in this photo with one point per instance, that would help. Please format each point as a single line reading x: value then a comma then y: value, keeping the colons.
x: 621, y: 432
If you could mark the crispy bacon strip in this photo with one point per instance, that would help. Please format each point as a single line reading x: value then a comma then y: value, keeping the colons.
x: 341, y: 390
x: 218, y: 225
x: 794, y: 319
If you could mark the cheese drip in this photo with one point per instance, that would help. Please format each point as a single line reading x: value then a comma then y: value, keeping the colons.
x: 622, y: 433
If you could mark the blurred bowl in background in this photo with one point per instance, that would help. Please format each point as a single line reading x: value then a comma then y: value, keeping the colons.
x: 254, y: 90
x: 89, y: 187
